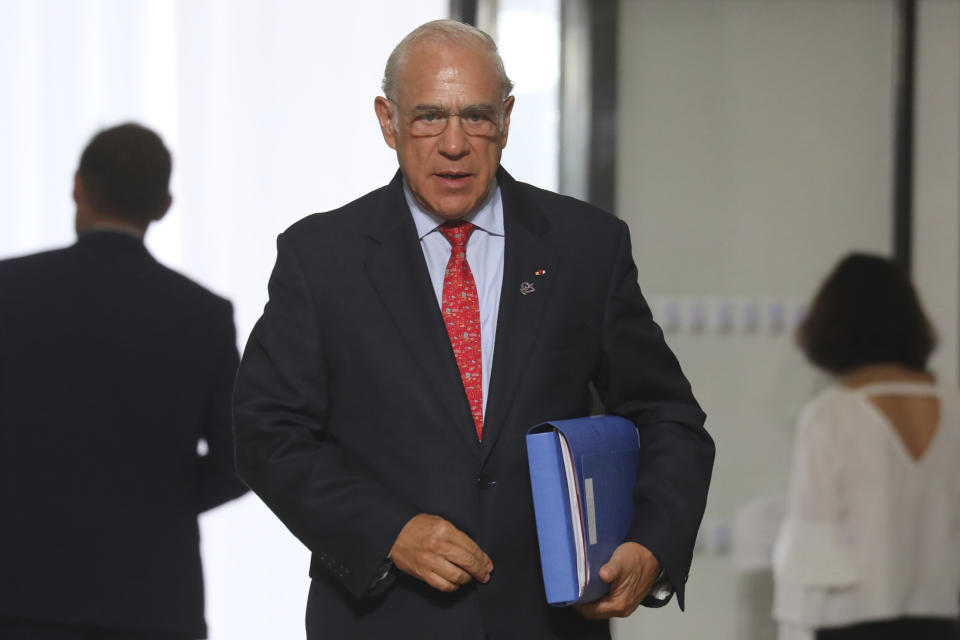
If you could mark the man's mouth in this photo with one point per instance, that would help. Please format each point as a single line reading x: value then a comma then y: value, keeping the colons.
x: 453, y: 177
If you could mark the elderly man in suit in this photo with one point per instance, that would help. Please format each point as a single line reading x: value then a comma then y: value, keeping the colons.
x: 113, y: 368
x: 413, y: 336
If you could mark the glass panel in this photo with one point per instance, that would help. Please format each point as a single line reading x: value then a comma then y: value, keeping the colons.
x: 528, y: 37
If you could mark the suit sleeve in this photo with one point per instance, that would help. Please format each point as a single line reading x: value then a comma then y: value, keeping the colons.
x: 218, y: 478
x: 641, y: 380
x: 285, y: 451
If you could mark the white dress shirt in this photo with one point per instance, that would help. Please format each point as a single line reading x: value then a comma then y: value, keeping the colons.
x: 485, y: 257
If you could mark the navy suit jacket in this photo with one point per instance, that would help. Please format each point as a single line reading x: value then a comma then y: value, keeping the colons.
x: 112, y: 368
x: 351, y: 417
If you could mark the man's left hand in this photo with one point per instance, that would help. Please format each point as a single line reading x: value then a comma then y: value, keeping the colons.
x: 631, y: 571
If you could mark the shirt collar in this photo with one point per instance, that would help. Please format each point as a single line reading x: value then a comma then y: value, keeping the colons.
x: 489, y: 217
x: 115, y: 229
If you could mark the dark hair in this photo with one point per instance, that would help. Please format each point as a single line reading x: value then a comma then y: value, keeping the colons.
x: 126, y: 173
x: 866, y: 312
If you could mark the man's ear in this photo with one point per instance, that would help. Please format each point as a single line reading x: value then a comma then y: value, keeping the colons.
x: 79, y: 191
x: 159, y: 215
x: 507, y: 109
x: 386, y: 114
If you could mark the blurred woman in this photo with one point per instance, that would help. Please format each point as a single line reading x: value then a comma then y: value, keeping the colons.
x: 870, y: 547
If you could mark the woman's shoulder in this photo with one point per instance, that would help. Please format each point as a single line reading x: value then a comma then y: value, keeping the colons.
x: 832, y: 417
x: 827, y: 401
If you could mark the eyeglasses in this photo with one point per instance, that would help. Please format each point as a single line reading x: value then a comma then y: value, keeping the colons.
x: 429, y: 121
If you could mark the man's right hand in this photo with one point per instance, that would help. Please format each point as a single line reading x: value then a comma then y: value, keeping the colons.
x: 433, y: 550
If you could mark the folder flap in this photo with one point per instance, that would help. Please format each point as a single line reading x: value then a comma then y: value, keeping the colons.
x: 608, y: 480
x: 557, y: 548
x: 596, y: 434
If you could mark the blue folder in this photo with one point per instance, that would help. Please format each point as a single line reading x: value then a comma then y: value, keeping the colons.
x: 603, y: 452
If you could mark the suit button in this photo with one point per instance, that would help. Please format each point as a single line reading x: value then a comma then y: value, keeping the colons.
x: 485, y: 482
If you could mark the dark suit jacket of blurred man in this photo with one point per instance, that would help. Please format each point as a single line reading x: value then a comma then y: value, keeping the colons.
x: 112, y: 367
x: 351, y: 415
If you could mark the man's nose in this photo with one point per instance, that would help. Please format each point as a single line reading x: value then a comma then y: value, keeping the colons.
x: 453, y: 140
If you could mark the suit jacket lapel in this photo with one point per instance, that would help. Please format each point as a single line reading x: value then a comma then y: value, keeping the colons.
x: 399, y: 273
x: 526, y: 252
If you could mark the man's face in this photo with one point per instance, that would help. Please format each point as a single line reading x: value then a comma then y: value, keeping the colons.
x: 450, y: 172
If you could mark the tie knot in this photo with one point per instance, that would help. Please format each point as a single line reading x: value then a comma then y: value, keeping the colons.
x: 457, y: 233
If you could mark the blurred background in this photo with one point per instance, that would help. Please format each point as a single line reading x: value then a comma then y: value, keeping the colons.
x: 748, y: 143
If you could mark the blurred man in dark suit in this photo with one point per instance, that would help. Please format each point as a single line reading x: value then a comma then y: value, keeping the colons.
x: 115, y: 372
x: 412, y: 338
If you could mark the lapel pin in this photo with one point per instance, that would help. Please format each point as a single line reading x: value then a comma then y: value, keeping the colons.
x: 526, y: 288
x: 540, y: 272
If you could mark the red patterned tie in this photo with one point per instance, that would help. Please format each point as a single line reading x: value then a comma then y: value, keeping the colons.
x: 461, y: 314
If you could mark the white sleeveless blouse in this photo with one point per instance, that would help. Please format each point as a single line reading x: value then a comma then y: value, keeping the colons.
x: 871, y: 533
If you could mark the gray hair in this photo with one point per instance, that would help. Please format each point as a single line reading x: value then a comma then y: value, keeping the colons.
x: 442, y: 30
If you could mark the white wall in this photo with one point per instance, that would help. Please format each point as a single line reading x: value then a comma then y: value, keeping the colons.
x: 937, y: 176
x: 754, y: 150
